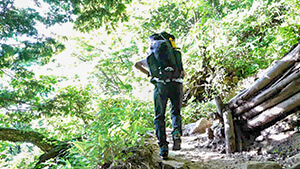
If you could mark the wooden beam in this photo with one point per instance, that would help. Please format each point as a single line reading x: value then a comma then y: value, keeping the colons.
x: 266, y: 94
x: 219, y: 105
x: 272, y: 113
x: 288, y: 91
x: 278, y: 69
x: 229, y: 132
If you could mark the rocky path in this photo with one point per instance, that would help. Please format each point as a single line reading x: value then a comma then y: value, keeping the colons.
x: 191, y: 156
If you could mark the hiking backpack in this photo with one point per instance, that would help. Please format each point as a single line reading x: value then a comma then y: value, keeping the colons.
x: 164, y: 60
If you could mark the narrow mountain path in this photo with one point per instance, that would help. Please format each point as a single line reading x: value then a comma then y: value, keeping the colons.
x: 191, y: 156
x: 200, y: 158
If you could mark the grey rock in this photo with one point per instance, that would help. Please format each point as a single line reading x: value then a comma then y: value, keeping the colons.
x: 198, y: 127
x: 172, y: 164
x: 296, y: 166
x: 293, y: 160
x: 260, y: 165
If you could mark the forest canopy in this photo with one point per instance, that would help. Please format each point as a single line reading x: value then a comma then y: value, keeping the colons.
x: 73, y: 92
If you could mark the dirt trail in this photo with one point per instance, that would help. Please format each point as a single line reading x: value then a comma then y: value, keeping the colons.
x: 207, y: 158
x: 199, y: 156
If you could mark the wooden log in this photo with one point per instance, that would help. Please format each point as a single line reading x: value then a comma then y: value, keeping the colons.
x: 285, y: 75
x: 229, y: 132
x: 277, y: 119
x: 272, y: 113
x: 266, y: 94
x: 219, y: 105
x: 278, y: 69
x: 233, y: 103
x: 238, y: 136
x: 287, y: 92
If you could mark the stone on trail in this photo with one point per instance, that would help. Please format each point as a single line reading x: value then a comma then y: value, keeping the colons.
x: 172, y: 164
x: 296, y: 166
x: 293, y: 160
x: 198, y: 127
x: 260, y: 165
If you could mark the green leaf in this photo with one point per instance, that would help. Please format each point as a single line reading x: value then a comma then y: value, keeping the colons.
x: 77, y: 145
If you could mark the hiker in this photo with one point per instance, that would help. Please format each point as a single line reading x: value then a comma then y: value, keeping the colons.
x: 164, y: 66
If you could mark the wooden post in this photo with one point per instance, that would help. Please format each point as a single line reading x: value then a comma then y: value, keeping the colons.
x: 238, y: 135
x: 229, y: 132
x: 219, y: 105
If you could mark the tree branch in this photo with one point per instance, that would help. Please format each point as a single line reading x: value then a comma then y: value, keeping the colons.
x: 15, y: 135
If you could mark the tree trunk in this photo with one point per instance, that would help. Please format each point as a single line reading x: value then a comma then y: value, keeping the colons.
x: 51, y: 147
x: 57, y: 151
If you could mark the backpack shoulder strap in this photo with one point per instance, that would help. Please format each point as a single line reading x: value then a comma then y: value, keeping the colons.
x: 153, y: 65
x: 178, y: 59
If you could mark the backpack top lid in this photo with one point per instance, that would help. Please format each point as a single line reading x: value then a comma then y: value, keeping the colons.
x: 164, y: 60
x: 161, y: 36
x: 162, y: 44
x: 162, y: 50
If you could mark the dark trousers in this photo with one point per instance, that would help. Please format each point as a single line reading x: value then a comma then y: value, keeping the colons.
x: 162, y: 93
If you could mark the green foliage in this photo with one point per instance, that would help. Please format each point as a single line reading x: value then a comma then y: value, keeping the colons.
x: 17, y: 155
x: 93, y: 17
x: 222, y: 43
x: 17, y: 22
x: 194, y: 111
x: 114, y: 68
x: 118, y: 125
x: 114, y: 72
x: 177, y: 17
x: 238, y: 44
x: 16, y: 52
x: 90, y: 15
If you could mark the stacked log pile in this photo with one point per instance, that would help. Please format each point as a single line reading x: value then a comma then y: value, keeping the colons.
x: 271, y: 98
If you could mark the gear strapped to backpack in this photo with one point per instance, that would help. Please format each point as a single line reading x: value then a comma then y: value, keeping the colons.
x: 164, y: 60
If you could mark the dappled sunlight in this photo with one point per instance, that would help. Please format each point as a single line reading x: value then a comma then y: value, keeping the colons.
x: 280, y: 136
x: 259, y: 108
x: 71, y: 97
x: 266, y: 115
x: 27, y: 153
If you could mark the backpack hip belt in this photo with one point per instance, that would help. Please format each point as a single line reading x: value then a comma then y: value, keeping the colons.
x: 178, y: 80
x: 169, y: 69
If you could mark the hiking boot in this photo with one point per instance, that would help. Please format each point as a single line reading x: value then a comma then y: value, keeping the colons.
x: 177, y: 144
x: 164, y: 151
x: 176, y: 141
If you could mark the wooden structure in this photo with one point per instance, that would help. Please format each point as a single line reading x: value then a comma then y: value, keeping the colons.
x: 271, y: 98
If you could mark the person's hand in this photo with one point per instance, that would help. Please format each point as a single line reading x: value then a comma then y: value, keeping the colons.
x: 183, y: 73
